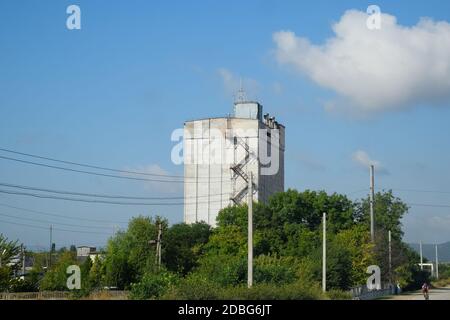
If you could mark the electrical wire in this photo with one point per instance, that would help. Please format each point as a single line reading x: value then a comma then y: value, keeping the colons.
x: 429, y: 205
x: 61, y: 216
x: 88, y: 165
x: 101, y: 201
x: 57, y: 229
x: 93, y: 173
x: 98, y: 168
x: 53, y: 223
x: 95, y: 195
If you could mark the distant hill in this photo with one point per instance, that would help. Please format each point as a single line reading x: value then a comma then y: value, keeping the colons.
x: 429, y: 251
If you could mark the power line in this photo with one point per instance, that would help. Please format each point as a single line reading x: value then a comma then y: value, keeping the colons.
x: 423, y: 191
x: 429, y: 205
x: 100, y: 201
x: 88, y: 165
x: 95, y: 195
x: 93, y: 173
x: 85, y: 200
x: 45, y: 228
x: 97, y: 167
x: 60, y: 216
x: 52, y: 222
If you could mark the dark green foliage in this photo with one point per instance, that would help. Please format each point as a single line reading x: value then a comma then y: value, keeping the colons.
x: 389, y: 213
x: 153, y: 285
x: 129, y: 254
x: 56, y: 278
x: 5, y: 278
x: 29, y: 284
x: 225, y: 270
x: 182, y: 246
x: 197, y: 288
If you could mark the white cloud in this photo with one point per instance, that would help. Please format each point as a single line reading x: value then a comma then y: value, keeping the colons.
x: 375, y: 70
x: 159, y: 173
x: 361, y: 158
x: 232, y: 84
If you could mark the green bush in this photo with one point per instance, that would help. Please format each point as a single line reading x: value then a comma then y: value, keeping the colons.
x: 224, y: 270
x: 152, y: 285
x: 194, y: 287
x: 269, y: 269
x: 29, y: 284
x: 197, y: 288
x: 265, y: 291
x: 338, y: 295
x: 5, y: 278
x: 56, y: 278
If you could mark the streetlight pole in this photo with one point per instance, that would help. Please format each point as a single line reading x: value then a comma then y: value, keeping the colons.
x: 324, y: 253
x: 372, y: 199
x: 421, y: 256
x: 51, y: 247
x: 250, y: 232
x: 437, y: 263
x: 390, y: 256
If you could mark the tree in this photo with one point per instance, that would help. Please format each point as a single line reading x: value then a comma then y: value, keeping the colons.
x: 183, y: 245
x: 360, y: 249
x: 307, y: 207
x: 56, y: 278
x: 129, y: 254
x: 389, y: 211
x: 8, y: 249
x: 153, y: 285
x: 5, y: 278
x: 97, y: 273
x: 85, y: 269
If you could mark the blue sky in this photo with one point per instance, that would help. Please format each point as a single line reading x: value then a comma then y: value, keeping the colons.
x: 111, y: 94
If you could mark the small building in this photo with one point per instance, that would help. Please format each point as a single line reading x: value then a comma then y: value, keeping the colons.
x: 85, y: 251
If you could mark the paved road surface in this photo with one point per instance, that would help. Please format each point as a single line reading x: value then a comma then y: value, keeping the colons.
x: 435, y: 294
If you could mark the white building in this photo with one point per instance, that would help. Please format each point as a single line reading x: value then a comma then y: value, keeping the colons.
x: 84, y: 252
x: 221, y: 153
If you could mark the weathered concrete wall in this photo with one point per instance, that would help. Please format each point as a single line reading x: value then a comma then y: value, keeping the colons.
x: 209, y: 182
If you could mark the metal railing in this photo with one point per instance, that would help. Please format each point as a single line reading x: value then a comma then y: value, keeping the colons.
x: 363, y: 293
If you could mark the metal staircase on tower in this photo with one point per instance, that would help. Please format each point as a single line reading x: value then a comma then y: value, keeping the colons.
x: 239, y: 172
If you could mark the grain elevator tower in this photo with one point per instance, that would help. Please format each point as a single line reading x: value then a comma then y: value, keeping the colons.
x: 221, y: 153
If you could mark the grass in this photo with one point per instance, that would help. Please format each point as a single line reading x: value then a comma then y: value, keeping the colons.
x: 441, y: 283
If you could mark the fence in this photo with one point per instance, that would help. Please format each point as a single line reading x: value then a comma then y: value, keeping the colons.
x: 363, y: 293
x: 63, y: 295
x: 44, y: 295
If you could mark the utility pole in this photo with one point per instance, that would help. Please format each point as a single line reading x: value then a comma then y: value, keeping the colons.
x: 159, y: 245
x: 23, y: 261
x: 421, y: 256
x: 372, y: 198
x: 390, y: 256
x: 250, y: 232
x: 437, y: 263
x: 51, y: 247
x: 324, y: 253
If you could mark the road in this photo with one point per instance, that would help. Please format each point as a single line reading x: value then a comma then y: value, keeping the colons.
x: 435, y: 294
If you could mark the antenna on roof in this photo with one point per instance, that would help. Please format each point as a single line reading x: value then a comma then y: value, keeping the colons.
x: 241, y: 92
